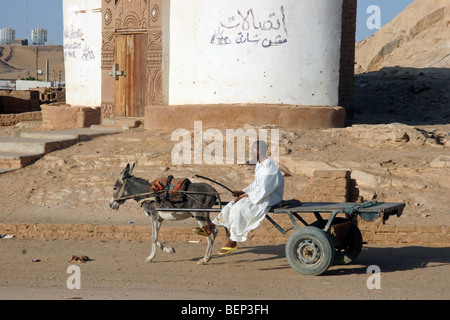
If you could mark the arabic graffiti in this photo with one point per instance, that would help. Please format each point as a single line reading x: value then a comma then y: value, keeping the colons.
x: 72, y: 41
x: 88, y: 54
x: 246, y: 28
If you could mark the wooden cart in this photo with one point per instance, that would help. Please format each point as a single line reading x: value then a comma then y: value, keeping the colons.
x: 313, y: 248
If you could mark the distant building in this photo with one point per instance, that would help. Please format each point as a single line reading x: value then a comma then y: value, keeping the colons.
x: 38, y: 36
x: 7, y: 85
x: 19, y: 42
x: 7, y: 35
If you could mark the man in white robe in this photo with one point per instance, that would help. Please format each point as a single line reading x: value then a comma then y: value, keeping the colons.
x: 251, y: 205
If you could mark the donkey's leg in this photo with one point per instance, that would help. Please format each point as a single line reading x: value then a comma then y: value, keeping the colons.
x: 207, y: 256
x: 203, y: 220
x: 156, y: 224
x: 160, y: 245
x: 155, y: 229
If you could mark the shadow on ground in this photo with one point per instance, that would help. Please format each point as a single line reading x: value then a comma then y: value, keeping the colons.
x: 389, y: 259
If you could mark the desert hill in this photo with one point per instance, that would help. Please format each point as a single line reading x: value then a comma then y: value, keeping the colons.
x: 419, y: 37
x: 20, y: 61
x: 402, y: 72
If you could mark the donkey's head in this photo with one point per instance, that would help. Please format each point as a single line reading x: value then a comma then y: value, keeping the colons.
x: 121, y: 190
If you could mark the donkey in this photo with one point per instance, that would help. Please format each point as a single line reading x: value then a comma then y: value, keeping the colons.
x: 199, y: 196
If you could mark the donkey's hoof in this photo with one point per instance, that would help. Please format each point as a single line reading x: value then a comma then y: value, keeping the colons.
x: 202, y: 262
x: 169, y: 250
x: 148, y: 260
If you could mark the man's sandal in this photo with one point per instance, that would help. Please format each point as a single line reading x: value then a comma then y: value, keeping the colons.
x: 201, y: 232
x: 227, y: 250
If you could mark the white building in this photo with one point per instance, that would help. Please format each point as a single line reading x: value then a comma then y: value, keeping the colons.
x: 39, y: 36
x: 285, y: 62
x: 7, y: 35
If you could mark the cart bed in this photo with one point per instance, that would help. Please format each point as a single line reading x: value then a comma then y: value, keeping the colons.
x: 368, y: 213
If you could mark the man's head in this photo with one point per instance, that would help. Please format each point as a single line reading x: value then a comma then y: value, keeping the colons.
x: 259, y: 150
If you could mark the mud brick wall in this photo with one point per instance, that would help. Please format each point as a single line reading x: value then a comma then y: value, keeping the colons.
x: 332, y: 186
x: 372, y: 232
x: 377, y: 233
x: 347, y: 63
x: 19, y: 101
x: 63, y: 116
x: 14, y: 118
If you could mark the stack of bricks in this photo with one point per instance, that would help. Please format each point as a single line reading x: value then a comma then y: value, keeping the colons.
x: 331, y: 186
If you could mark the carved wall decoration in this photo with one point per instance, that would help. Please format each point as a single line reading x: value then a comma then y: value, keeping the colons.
x: 108, y: 54
x: 108, y: 35
x: 154, y: 88
x: 131, y: 14
x: 154, y: 53
x: 107, y: 16
x: 154, y: 48
x: 108, y: 39
x: 135, y: 15
x: 131, y: 21
x: 154, y: 13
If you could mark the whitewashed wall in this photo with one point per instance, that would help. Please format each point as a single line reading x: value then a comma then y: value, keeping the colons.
x: 251, y: 51
x: 82, y: 51
x: 27, y: 84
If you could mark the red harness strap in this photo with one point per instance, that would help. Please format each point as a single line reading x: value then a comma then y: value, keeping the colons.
x: 176, y: 184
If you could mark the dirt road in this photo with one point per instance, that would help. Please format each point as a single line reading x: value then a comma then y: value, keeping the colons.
x: 38, y: 269
x: 72, y: 186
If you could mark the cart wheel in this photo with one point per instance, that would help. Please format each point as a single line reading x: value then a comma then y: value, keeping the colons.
x: 310, y: 251
x: 349, y: 247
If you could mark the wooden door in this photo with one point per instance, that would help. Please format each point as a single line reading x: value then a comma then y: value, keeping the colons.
x: 131, y: 88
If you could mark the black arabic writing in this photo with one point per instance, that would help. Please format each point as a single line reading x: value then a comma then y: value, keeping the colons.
x: 269, y: 32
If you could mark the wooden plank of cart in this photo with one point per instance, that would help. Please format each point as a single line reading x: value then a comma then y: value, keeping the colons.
x: 313, y: 248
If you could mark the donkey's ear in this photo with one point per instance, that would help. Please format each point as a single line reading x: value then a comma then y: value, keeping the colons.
x: 125, y: 172
x: 127, y: 169
x: 132, y: 168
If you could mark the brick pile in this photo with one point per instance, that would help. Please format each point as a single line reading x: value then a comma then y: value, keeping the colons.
x: 332, y: 186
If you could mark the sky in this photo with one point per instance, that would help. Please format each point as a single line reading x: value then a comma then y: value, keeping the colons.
x: 45, y: 14
x: 388, y: 10
x: 25, y: 15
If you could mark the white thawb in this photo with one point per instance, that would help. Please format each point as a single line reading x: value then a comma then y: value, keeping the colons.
x: 246, y: 215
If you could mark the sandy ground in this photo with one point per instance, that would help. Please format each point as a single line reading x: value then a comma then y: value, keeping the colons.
x: 392, y: 161
x: 116, y: 270
x: 392, y: 145
x: 74, y: 185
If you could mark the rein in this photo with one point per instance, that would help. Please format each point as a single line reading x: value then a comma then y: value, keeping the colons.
x: 122, y: 189
x: 155, y: 192
x: 149, y: 194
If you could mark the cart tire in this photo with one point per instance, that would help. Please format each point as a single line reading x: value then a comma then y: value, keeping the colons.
x: 350, y: 247
x: 310, y: 251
